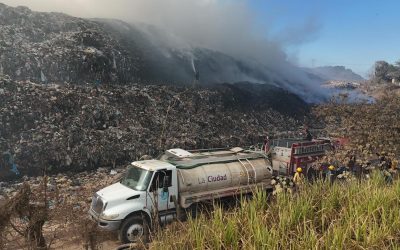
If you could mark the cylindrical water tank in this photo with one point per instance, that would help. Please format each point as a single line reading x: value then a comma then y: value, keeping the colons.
x: 215, y: 176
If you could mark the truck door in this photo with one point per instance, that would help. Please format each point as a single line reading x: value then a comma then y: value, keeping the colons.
x: 162, y: 189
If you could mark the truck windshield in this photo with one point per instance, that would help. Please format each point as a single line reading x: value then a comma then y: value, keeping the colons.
x: 137, y: 178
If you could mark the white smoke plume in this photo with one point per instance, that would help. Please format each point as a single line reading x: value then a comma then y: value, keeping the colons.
x: 227, y: 26
x: 193, y: 67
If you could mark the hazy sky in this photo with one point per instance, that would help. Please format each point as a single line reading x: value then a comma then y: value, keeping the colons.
x: 353, y: 33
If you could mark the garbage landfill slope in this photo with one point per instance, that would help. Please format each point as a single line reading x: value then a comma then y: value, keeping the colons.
x: 57, y: 48
x: 105, y: 119
x: 54, y: 47
x: 78, y: 127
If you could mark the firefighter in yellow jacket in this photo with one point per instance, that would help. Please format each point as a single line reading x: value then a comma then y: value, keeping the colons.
x: 298, y: 177
x: 394, y: 164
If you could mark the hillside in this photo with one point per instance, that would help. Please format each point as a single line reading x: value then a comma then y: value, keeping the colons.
x: 57, y: 48
x: 339, y: 73
x: 78, y: 94
x: 54, y: 47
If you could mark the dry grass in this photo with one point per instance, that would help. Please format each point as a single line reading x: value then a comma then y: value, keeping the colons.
x: 25, y: 222
x: 353, y: 215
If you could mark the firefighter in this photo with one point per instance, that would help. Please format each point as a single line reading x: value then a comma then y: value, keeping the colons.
x: 308, y: 135
x: 382, y: 158
x: 352, y: 162
x: 387, y: 175
x: 388, y: 163
x: 298, y: 177
x: 266, y: 145
x: 394, y: 165
x: 8, y: 159
x: 331, y: 173
x: 384, y: 166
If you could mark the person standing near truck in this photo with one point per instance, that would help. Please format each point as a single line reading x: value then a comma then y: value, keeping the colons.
x: 308, y: 135
x: 384, y: 166
x: 298, y: 177
x: 394, y: 165
x: 387, y: 175
x: 331, y: 174
x: 352, y: 162
x: 267, y: 144
x: 393, y: 168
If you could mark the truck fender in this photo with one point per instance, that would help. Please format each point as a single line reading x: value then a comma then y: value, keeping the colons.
x: 145, y: 214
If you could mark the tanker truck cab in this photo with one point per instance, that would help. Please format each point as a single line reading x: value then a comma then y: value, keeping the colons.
x: 147, y: 188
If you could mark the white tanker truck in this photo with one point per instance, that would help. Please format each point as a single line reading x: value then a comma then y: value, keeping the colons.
x: 177, y: 180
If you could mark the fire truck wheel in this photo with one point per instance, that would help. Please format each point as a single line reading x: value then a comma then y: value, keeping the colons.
x: 134, y: 229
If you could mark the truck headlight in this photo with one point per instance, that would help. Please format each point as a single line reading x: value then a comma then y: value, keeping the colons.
x: 109, y: 216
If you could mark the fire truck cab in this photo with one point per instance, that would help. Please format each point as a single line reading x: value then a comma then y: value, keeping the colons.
x: 289, y: 154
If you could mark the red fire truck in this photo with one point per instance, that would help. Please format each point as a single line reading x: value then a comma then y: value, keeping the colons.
x: 289, y: 154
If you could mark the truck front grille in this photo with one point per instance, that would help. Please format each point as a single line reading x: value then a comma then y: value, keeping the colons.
x: 97, y: 204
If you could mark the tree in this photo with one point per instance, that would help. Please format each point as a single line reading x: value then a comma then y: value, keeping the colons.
x: 394, y: 73
x: 385, y: 72
x: 381, y: 71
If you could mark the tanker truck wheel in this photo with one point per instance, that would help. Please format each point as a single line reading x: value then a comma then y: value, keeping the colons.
x: 134, y: 229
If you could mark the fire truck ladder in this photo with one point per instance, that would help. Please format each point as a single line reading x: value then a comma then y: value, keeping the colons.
x: 250, y: 170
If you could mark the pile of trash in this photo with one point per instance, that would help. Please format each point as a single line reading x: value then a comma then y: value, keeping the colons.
x: 54, y: 47
x: 55, y: 128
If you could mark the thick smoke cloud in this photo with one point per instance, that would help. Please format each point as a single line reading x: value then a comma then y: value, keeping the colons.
x: 227, y: 26
x: 221, y: 25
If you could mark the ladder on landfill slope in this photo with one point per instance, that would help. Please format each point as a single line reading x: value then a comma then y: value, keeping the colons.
x: 250, y: 170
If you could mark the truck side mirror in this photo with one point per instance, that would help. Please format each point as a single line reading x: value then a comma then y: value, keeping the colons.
x: 166, y: 182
